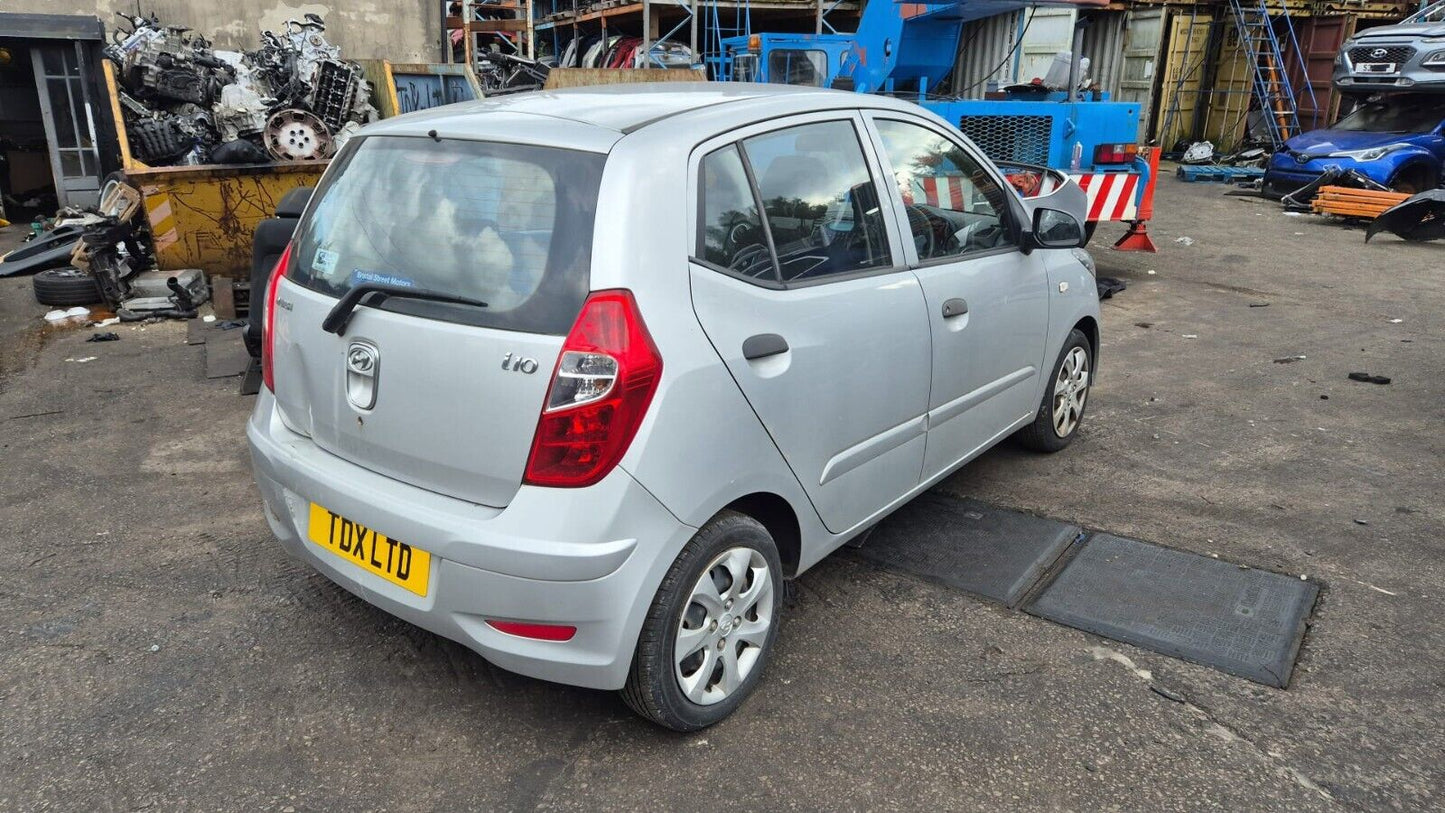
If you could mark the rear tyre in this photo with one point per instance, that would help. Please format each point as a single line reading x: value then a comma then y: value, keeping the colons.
x: 1062, y: 409
x: 708, y: 634
x: 66, y: 286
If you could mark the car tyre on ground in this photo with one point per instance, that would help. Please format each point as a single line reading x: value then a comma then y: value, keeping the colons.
x: 711, y: 627
x: 1065, y: 397
x: 66, y: 286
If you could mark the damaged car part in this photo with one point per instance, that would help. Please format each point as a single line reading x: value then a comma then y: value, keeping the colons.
x: 1419, y: 218
x: 297, y: 135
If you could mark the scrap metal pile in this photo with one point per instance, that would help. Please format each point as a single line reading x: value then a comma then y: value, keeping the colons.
x: 186, y: 103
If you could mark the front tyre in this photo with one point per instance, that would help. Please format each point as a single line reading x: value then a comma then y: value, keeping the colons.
x: 1062, y: 409
x: 711, y: 627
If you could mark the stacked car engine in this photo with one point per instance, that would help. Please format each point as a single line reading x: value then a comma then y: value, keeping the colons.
x: 186, y: 103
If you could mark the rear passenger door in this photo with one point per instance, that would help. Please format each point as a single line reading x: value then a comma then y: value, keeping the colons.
x: 797, y: 282
x: 988, y: 303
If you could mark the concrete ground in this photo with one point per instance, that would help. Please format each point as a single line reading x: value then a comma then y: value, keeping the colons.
x: 157, y: 651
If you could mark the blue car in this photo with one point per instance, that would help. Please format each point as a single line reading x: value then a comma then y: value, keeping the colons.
x: 1396, y: 140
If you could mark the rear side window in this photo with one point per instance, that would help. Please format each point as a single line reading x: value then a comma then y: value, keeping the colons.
x: 732, y: 233
x: 820, y: 201
x: 508, y: 224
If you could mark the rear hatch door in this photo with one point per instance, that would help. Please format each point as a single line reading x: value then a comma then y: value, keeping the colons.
x: 441, y: 395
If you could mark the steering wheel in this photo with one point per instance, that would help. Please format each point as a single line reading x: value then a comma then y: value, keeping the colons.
x: 750, y: 257
x: 922, y: 228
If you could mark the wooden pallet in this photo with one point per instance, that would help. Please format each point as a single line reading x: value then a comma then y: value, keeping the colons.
x: 1193, y: 174
x: 1348, y: 202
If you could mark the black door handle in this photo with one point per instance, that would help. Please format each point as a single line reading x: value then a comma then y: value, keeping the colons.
x: 764, y: 345
x: 954, y: 307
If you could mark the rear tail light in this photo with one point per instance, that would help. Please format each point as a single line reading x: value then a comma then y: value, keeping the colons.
x: 268, y: 331
x: 1115, y: 153
x: 600, y: 390
x: 540, y: 632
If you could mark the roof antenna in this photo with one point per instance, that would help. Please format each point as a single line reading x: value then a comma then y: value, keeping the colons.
x: 434, y: 136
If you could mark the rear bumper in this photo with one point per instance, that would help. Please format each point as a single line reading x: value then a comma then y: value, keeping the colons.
x: 590, y: 558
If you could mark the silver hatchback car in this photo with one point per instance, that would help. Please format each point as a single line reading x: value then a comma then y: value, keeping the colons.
x: 1409, y: 55
x: 578, y: 378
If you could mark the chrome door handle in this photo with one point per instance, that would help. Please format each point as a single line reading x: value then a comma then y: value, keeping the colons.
x: 954, y: 307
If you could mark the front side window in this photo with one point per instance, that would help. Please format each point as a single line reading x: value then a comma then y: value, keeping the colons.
x: 954, y: 206
x: 820, y: 201
x: 745, y: 67
x: 793, y: 66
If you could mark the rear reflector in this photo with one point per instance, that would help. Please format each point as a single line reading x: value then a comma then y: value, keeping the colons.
x: 1115, y: 153
x: 540, y: 632
x: 602, y: 385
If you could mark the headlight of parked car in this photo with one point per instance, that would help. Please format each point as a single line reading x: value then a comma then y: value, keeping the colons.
x: 1087, y: 260
x: 1371, y: 154
x: 1435, y: 60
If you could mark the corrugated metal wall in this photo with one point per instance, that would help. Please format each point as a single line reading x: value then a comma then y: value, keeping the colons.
x: 1104, y: 46
x: 1320, y: 39
x: 1181, y: 83
x: 1230, y: 98
x: 1139, y: 74
x: 984, y: 55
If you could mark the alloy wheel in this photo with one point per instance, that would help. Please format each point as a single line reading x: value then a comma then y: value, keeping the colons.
x: 1071, y: 387
x: 724, y: 626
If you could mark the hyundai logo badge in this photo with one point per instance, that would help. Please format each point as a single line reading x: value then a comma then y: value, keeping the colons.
x: 361, y: 358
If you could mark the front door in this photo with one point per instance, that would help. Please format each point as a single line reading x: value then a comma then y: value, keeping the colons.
x: 824, y: 332
x: 988, y: 303
x: 68, y: 113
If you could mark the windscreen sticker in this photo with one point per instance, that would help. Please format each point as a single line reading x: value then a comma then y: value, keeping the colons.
x: 325, y: 261
x: 359, y: 276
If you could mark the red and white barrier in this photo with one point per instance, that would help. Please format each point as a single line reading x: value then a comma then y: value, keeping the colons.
x: 1112, y: 195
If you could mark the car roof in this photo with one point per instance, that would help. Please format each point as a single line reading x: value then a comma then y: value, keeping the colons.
x: 616, y: 109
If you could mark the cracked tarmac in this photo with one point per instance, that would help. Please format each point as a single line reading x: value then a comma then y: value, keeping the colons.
x: 157, y: 651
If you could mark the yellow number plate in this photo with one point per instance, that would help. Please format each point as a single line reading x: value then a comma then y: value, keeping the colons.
x: 395, y: 561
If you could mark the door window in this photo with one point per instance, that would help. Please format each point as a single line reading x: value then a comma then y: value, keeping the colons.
x: 820, y: 201
x: 792, y: 66
x: 731, y: 237
x: 954, y: 206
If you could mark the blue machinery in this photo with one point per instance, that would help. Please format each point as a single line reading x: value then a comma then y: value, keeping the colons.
x: 908, y: 49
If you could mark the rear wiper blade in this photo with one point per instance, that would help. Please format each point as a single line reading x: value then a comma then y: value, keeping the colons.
x: 340, y: 315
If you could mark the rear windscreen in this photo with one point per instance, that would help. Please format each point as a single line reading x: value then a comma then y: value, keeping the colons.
x: 506, y: 224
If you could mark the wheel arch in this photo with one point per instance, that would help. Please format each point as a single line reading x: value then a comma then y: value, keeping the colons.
x: 777, y: 515
x: 1089, y: 326
x: 1416, y: 161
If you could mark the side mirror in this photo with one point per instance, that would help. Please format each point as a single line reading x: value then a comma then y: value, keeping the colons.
x: 1054, y: 228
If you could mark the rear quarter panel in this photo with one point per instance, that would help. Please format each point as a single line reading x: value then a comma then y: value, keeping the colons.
x: 701, y: 446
